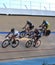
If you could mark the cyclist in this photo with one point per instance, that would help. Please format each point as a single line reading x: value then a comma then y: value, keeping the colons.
x: 29, y: 26
x: 37, y: 35
x: 13, y: 33
x: 44, y: 26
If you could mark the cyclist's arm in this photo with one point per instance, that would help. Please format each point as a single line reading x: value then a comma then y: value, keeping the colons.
x: 24, y: 26
x: 41, y: 25
x: 7, y: 34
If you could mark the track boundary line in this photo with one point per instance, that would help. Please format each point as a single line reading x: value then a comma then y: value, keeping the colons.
x: 19, y: 32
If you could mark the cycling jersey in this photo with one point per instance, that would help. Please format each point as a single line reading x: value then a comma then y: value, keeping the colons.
x: 15, y: 33
x: 30, y: 25
x: 46, y: 24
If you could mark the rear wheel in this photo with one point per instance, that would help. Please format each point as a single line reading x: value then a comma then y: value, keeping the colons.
x: 5, y: 43
x: 15, y: 43
x: 47, y: 32
x: 38, y: 43
x: 28, y: 44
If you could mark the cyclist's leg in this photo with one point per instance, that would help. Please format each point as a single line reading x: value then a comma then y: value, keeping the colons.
x: 36, y: 39
x: 13, y: 38
x: 46, y: 27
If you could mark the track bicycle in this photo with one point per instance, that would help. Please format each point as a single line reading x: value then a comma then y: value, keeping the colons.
x: 10, y: 41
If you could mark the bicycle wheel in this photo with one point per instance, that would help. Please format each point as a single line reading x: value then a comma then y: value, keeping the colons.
x: 5, y: 43
x: 47, y: 32
x: 28, y: 44
x: 38, y: 43
x: 22, y: 34
x: 14, y: 44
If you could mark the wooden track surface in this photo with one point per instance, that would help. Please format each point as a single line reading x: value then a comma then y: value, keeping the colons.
x: 47, y: 48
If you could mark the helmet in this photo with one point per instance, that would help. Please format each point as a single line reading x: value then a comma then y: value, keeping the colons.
x: 28, y: 21
x: 47, y: 23
x: 12, y: 30
x: 44, y: 21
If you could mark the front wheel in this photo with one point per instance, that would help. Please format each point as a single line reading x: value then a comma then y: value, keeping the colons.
x: 5, y: 43
x: 38, y: 43
x: 15, y: 43
x: 28, y: 44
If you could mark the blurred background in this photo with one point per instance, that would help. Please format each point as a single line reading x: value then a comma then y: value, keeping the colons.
x: 28, y: 4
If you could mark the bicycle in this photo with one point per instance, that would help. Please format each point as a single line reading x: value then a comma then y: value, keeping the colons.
x: 10, y: 41
x: 26, y: 34
x: 22, y: 34
x: 31, y: 42
x: 45, y: 32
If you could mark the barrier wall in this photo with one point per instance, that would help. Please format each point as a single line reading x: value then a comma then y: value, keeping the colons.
x: 8, y: 22
x: 35, y: 61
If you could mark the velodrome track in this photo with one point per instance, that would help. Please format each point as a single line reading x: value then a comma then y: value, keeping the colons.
x: 46, y: 49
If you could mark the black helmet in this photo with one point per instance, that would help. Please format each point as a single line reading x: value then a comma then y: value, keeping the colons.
x: 28, y: 21
x: 12, y: 30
